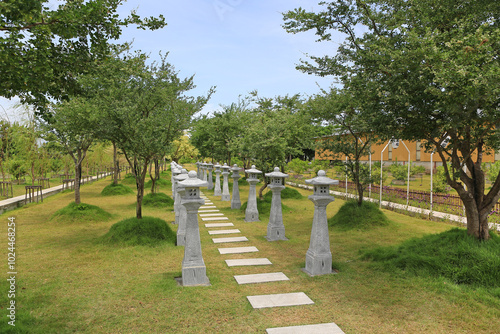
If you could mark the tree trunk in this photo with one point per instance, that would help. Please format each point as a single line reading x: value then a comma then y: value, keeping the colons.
x: 116, y: 165
x: 139, y: 180
x: 261, y: 189
x: 78, y: 173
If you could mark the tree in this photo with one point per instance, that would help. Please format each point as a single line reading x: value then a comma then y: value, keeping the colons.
x: 430, y: 70
x: 43, y: 50
x: 75, y: 123
x: 145, y: 110
x: 353, y: 137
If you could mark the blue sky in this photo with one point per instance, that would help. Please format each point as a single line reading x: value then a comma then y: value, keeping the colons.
x: 236, y: 45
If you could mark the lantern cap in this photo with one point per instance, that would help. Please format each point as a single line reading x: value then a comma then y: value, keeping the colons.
x: 182, y: 176
x: 217, y: 165
x: 322, y: 180
x: 192, y: 181
x: 276, y: 173
x: 253, y: 170
x: 235, y: 168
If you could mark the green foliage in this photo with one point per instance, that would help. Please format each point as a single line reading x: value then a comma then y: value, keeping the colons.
x: 158, y: 200
x: 439, y: 183
x: 17, y: 168
x: 318, y: 165
x: 163, y: 182
x: 148, y: 231
x: 297, y: 166
x: 287, y: 193
x: 453, y: 255
x: 129, y: 178
x: 352, y: 216
x: 116, y: 189
x: 493, y: 171
x: 264, y: 205
x: 399, y: 171
x: 81, y: 213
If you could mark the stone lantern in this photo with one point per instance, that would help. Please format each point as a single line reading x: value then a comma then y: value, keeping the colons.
x: 319, y: 256
x: 204, y: 171
x: 175, y: 171
x: 210, y: 168
x: 217, y: 191
x: 225, y: 184
x: 180, y: 210
x: 235, y: 201
x: 194, y: 271
x: 198, y: 170
x: 252, y: 213
x: 275, y: 228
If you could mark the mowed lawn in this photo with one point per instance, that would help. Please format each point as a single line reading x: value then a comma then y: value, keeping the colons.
x: 69, y: 283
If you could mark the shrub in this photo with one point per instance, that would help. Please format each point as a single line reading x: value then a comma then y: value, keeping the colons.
x: 351, y: 216
x: 148, y: 231
x: 81, y: 212
x: 157, y: 200
x: 285, y: 194
x: 116, y: 189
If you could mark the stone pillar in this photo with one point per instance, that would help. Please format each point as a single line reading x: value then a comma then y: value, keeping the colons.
x: 276, y: 228
x: 204, y: 172
x: 217, y: 191
x: 252, y: 213
x: 198, y: 170
x: 319, y: 256
x: 235, y: 201
x: 194, y: 271
x: 177, y: 197
x: 225, y: 184
x: 210, y: 167
x: 175, y: 171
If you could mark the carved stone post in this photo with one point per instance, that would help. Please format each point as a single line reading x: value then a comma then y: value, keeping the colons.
x: 217, y: 191
x: 235, y: 201
x: 180, y: 210
x: 225, y: 184
x: 252, y: 213
x: 210, y: 168
x: 194, y: 271
x: 319, y: 256
x: 276, y: 228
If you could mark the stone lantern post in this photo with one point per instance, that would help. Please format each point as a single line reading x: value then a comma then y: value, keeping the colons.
x: 175, y: 171
x: 194, y: 271
x: 319, y: 256
x: 235, y: 201
x: 198, y: 170
x: 276, y: 228
x: 217, y: 191
x: 252, y: 213
x: 179, y: 209
x: 210, y: 168
x: 204, y: 171
x: 225, y: 184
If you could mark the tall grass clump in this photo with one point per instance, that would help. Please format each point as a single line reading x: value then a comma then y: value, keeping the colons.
x: 157, y: 200
x: 351, y: 216
x: 116, y: 189
x: 148, y: 231
x: 453, y: 255
x: 81, y: 212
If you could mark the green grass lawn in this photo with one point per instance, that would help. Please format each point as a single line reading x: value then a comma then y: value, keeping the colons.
x: 70, y: 282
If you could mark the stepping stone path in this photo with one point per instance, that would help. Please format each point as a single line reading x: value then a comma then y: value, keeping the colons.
x: 209, y: 212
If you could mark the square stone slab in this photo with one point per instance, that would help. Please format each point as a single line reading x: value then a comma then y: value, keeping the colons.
x: 208, y: 203
x: 330, y: 328
x: 211, y: 214
x: 224, y: 231
x: 201, y: 211
x: 219, y: 224
x: 260, y: 278
x: 233, y: 239
x: 214, y: 218
x: 278, y: 300
x: 208, y: 207
x: 238, y: 250
x: 248, y: 262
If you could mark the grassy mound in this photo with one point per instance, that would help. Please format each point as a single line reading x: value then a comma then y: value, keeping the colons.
x: 129, y: 178
x: 157, y: 200
x: 116, y: 189
x: 263, y: 206
x: 81, y: 212
x: 287, y: 193
x: 148, y: 231
x: 351, y: 216
x: 453, y: 255
x: 159, y: 183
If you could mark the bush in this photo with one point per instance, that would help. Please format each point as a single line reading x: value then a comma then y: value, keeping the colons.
x: 453, y: 255
x: 157, y: 200
x: 81, y: 212
x: 116, y: 189
x: 148, y: 231
x: 129, y: 178
x: 285, y: 194
x: 351, y: 216
x: 297, y: 166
